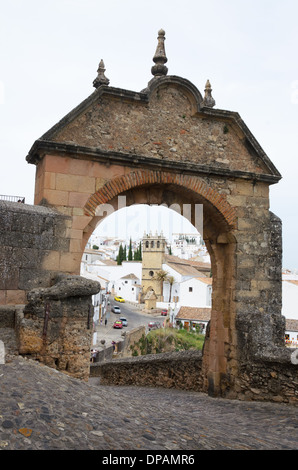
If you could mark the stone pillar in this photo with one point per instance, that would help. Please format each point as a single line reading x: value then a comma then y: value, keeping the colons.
x: 260, y: 325
x: 56, y: 325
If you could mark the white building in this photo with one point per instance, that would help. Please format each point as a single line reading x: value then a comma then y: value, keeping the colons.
x: 291, y: 333
x: 111, y: 276
x: 290, y: 298
x: 128, y: 287
x: 192, y: 286
x: 196, y: 292
x: 193, y: 318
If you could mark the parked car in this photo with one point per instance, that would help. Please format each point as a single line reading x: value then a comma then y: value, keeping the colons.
x: 119, y: 299
x: 153, y: 325
x: 164, y: 313
x: 118, y: 324
x: 116, y: 309
x: 124, y: 321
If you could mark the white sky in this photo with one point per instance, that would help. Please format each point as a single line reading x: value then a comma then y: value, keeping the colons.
x: 50, y: 50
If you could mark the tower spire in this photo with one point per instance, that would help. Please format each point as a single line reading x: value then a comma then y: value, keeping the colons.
x: 160, y: 58
x: 101, y: 79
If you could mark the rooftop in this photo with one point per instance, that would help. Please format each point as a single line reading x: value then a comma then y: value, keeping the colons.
x: 194, y: 313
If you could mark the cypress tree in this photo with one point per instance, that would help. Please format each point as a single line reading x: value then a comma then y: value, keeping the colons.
x: 130, y: 251
x: 120, y: 255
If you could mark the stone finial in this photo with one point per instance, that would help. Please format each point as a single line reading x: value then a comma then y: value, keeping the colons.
x: 101, y: 79
x: 160, y: 58
x: 208, y: 100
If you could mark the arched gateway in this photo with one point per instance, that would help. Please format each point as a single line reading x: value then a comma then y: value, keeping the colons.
x: 168, y: 145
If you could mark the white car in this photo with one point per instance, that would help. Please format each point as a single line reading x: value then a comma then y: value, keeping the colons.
x: 124, y: 321
x: 116, y: 309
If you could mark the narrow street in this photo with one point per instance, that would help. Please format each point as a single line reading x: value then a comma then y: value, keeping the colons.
x: 134, y: 316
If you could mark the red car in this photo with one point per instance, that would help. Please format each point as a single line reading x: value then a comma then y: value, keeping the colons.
x: 164, y: 313
x: 118, y: 324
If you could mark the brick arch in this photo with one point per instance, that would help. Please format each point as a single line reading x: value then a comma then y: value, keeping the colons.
x: 137, y: 178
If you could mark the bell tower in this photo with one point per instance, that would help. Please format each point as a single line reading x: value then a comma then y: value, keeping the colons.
x: 152, y: 259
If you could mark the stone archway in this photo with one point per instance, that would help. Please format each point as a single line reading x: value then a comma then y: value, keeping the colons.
x: 219, y: 224
x: 168, y: 145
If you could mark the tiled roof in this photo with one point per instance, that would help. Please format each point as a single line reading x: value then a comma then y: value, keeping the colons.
x: 291, y: 325
x: 292, y: 281
x: 129, y: 276
x: 183, y: 269
x: 206, y: 280
x: 194, y: 313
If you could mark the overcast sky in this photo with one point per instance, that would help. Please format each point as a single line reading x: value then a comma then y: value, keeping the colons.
x: 50, y: 52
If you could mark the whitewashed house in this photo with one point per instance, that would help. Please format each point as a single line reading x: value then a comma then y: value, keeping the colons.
x: 291, y: 333
x: 196, y: 292
x: 193, y: 318
x: 192, y: 287
x: 128, y: 287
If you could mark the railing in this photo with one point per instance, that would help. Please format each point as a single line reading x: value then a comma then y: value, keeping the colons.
x: 12, y: 198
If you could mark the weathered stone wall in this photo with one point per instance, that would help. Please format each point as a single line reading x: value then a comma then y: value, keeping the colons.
x: 275, y: 381
x: 32, y: 239
x: 258, y: 380
x: 164, y: 128
x: 130, y: 339
x: 170, y: 370
x: 56, y: 326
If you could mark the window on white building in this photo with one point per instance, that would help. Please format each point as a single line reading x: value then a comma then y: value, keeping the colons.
x: 190, y: 289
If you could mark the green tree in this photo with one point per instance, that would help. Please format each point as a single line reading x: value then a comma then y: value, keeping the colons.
x: 120, y: 255
x: 130, y: 251
x: 161, y: 276
x: 137, y: 256
x: 171, y: 281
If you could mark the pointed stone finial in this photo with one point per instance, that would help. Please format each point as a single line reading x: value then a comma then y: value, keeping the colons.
x: 101, y: 79
x: 208, y: 100
x: 159, y: 69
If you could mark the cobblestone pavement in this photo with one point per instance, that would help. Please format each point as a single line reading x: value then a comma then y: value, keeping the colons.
x: 42, y: 409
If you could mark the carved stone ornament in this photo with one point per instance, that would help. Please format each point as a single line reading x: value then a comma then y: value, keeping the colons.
x: 208, y: 100
x: 159, y: 69
x: 101, y: 79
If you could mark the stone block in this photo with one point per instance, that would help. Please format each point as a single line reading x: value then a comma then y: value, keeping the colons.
x: 15, y: 297
x: 75, y: 183
x: 77, y: 199
x: 51, y: 261
x: 49, y: 181
x: 55, y: 197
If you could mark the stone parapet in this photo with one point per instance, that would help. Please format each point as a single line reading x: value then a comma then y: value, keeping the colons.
x: 180, y: 370
x: 33, y: 239
x: 56, y: 325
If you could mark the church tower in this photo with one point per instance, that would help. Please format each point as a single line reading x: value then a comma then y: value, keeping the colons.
x: 153, y: 252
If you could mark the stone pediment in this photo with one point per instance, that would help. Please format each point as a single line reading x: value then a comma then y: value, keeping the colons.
x: 165, y: 125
